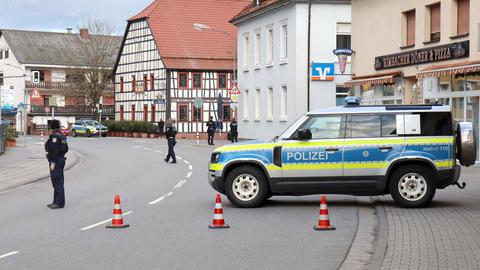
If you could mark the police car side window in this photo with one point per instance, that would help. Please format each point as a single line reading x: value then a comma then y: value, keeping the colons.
x: 324, y: 127
x: 389, y: 125
x: 436, y: 124
x: 365, y: 126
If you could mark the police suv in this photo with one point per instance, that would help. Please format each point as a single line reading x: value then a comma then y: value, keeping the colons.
x: 407, y: 151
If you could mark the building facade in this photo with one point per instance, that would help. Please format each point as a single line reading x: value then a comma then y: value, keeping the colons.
x: 165, y: 64
x: 418, y: 52
x: 277, y: 83
x: 51, y: 56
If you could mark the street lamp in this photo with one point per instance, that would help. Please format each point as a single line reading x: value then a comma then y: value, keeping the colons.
x: 202, y: 27
x: 24, y: 111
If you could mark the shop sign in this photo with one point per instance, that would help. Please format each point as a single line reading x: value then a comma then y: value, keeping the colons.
x: 451, y: 51
x: 323, y: 71
x: 7, y: 98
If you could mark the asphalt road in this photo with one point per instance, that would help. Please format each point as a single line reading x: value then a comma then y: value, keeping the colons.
x: 168, y: 218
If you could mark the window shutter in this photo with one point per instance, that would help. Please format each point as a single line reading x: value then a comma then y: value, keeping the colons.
x: 463, y: 17
x: 411, y: 27
x: 435, y: 18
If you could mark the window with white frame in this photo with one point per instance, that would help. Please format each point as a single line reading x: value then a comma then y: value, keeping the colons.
x: 246, y: 47
x: 257, y: 49
x: 344, y: 32
x: 284, y: 42
x: 245, y: 104
x: 270, y: 103
x: 257, y: 104
x: 269, y: 45
x: 283, y: 103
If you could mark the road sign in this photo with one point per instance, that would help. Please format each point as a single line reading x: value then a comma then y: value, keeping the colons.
x: 234, y: 90
x: 198, y: 103
x: 35, y: 93
x: 234, y: 98
x: 47, y: 109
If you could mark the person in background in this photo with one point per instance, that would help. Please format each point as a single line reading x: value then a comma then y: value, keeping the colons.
x: 170, y: 134
x: 161, y: 125
x: 234, y: 131
x: 56, y: 147
x: 211, y: 126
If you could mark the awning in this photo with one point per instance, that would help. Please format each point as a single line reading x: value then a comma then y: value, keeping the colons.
x: 374, y: 79
x: 449, y: 69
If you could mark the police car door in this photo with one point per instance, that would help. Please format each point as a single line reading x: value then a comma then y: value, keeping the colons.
x: 313, y: 162
x: 371, y: 142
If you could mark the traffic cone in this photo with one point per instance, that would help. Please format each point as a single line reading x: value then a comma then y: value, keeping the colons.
x: 323, y: 220
x: 117, y: 221
x: 218, y: 221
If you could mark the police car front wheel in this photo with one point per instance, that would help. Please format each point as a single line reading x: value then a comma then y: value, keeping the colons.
x: 246, y: 186
x: 412, y: 186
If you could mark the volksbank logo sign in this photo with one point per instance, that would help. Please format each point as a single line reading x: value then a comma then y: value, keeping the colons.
x: 323, y: 71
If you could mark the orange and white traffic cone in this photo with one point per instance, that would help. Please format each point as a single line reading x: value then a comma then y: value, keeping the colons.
x: 117, y: 221
x: 218, y: 221
x: 323, y: 220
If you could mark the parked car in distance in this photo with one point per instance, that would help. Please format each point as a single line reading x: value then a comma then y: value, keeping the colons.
x: 88, y: 128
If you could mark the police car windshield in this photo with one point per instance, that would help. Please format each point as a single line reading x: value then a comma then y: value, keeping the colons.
x: 92, y: 123
x: 289, y: 131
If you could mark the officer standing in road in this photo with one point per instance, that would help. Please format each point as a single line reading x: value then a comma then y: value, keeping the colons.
x: 211, y: 126
x: 56, y: 147
x: 161, y: 126
x: 234, y: 130
x: 170, y: 134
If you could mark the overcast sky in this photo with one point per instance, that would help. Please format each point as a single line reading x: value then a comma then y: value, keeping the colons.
x: 57, y: 15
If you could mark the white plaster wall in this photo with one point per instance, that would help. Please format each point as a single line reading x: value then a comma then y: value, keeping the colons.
x: 18, y: 84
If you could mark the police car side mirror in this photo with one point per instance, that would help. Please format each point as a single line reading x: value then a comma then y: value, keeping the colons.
x: 304, y: 135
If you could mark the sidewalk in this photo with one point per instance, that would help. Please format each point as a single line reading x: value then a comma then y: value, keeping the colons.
x: 26, y: 164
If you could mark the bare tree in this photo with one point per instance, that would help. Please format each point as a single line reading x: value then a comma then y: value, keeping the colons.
x: 91, y: 76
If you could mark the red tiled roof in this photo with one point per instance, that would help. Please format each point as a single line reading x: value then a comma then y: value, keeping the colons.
x: 250, y: 8
x: 183, y: 47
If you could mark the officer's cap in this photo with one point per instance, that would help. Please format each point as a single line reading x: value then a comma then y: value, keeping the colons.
x: 53, y: 124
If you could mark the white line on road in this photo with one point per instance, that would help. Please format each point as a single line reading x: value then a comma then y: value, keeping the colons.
x: 148, y: 149
x: 102, y: 222
x: 180, y: 184
x: 9, y: 254
x: 189, y: 174
x: 136, y: 146
x: 169, y: 194
x: 159, y: 151
x: 186, y: 162
x: 190, y: 167
x: 156, y: 201
x: 180, y: 158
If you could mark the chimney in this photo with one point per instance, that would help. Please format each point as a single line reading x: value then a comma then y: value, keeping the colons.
x: 69, y: 30
x: 84, y: 33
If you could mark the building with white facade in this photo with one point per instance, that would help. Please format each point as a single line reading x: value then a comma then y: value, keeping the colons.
x: 52, y: 55
x: 278, y: 78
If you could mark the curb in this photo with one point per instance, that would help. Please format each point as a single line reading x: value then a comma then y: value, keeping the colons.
x: 378, y: 256
x: 77, y: 159
x: 364, y: 244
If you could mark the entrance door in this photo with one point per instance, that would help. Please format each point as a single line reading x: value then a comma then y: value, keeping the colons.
x: 315, y: 164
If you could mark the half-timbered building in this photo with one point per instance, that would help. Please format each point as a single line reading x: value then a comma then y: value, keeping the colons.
x: 165, y: 64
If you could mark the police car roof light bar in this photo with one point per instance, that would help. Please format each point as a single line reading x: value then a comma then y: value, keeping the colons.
x: 353, y: 101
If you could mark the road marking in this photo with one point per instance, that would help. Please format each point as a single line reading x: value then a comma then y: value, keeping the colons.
x: 148, y: 149
x: 136, y: 146
x: 189, y: 174
x: 159, y: 151
x: 190, y: 167
x: 180, y: 184
x: 156, y: 201
x: 169, y: 194
x: 179, y: 157
x: 102, y: 222
x: 9, y: 254
x: 186, y: 162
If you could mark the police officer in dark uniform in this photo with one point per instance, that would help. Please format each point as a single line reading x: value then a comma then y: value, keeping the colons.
x: 170, y: 134
x: 56, y: 147
x: 211, y: 126
x: 234, y: 131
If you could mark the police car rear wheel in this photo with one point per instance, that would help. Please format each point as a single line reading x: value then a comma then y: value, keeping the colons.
x: 88, y: 133
x: 246, y: 186
x: 412, y: 186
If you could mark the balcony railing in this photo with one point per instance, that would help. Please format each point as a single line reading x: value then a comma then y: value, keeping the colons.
x: 58, y: 85
x: 81, y: 110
